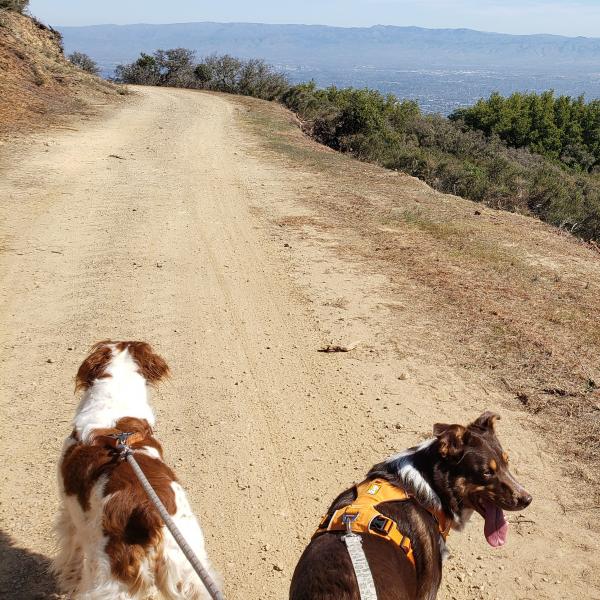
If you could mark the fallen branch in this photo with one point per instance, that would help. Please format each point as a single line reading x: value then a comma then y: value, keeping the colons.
x: 338, y: 348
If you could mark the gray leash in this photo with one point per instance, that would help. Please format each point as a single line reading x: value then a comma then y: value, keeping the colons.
x: 207, y: 580
x: 364, y: 577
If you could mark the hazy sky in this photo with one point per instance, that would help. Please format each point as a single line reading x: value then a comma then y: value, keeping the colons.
x: 579, y: 17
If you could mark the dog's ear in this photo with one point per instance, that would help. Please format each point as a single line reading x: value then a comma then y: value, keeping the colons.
x: 94, y: 366
x: 152, y: 366
x: 486, y: 421
x: 451, y: 439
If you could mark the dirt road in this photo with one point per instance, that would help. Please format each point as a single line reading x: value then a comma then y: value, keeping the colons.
x: 157, y: 222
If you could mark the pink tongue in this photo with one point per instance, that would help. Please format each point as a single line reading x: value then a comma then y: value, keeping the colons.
x: 496, y: 527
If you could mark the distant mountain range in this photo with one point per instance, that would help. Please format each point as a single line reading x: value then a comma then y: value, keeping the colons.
x: 376, y: 56
x: 317, y: 45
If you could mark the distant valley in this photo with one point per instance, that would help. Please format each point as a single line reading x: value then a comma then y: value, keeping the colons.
x: 440, y: 68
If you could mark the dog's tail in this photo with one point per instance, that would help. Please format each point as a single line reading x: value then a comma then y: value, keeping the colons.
x: 134, y: 538
x: 175, y: 576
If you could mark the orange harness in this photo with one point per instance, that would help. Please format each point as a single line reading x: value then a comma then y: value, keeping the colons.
x: 363, y: 517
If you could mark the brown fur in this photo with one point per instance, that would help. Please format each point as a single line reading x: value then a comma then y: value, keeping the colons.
x: 93, y: 367
x: 131, y: 523
x: 151, y: 366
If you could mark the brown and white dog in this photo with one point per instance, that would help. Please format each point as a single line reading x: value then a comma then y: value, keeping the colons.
x: 112, y: 541
x: 458, y: 471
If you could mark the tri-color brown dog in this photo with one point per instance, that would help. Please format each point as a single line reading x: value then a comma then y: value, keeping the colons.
x: 403, y: 512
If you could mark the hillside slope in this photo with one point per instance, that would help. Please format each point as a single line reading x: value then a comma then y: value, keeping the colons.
x: 210, y: 226
x: 37, y: 84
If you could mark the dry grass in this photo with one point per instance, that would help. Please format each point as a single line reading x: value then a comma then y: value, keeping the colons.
x: 517, y: 300
x: 38, y: 86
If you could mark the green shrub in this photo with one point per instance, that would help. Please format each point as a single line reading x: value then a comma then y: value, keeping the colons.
x: 561, y: 128
x: 174, y: 67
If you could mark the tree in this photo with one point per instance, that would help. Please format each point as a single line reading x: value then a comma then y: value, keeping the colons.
x: 203, y: 74
x: 225, y: 72
x: 84, y: 62
x: 144, y: 71
x: 561, y: 128
x: 257, y: 78
x: 176, y: 67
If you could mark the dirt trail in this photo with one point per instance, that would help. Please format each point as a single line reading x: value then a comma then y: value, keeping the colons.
x: 156, y: 223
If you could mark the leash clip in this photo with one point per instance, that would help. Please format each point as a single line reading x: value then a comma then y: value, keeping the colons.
x: 347, y: 520
x: 121, y: 445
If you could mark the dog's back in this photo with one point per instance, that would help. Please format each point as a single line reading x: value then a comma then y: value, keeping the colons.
x: 113, y: 543
x: 325, y: 570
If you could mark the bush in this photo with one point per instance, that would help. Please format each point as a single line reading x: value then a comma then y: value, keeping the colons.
x: 144, y: 71
x: 84, y: 62
x: 451, y: 156
x: 561, y: 128
x: 177, y: 68
x: 16, y: 5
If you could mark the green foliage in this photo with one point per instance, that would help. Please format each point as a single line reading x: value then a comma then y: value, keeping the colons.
x: 203, y: 74
x: 84, y: 62
x: 178, y: 68
x: 16, y: 5
x: 561, y: 128
x: 343, y: 117
x: 473, y: 163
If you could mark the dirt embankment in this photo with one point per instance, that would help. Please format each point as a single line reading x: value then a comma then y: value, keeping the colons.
x: 38, y: 85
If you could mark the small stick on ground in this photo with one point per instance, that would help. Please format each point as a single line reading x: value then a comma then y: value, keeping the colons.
x: 331, y: 347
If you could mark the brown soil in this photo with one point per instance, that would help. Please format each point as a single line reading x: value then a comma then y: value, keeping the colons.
x: 512, y: 300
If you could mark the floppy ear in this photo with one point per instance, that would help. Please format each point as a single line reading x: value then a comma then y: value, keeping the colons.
x: 93, y: 367
x: 451, y: 439
x: 151, y: 365
x: 486, y: 421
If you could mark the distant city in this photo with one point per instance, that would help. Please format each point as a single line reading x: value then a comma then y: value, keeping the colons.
x: 443, y: 91
x: 441, y: 69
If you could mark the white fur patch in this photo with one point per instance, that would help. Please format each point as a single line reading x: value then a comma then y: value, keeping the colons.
x: 179, y: 572
x: 150, y: 451
x: 403, y: 464
x: 123, y: 394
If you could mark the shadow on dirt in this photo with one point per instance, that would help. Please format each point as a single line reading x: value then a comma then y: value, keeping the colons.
x: 24, y: 575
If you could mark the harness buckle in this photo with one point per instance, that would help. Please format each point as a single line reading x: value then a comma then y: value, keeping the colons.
x: 381, y: 525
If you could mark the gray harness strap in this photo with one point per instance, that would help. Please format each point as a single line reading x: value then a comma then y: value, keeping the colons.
x: 364, y: 577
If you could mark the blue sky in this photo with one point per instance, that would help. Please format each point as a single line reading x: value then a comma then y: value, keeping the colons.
x: 580, y: 17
